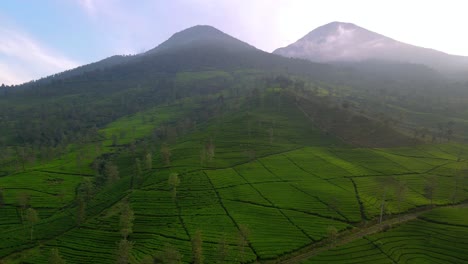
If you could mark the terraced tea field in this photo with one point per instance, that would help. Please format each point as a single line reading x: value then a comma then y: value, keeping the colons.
x: 424, y: 240
x: 261, y: 196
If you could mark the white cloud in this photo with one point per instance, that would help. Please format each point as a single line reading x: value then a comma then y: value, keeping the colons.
x: 22, y: 58
x: 88, y: 5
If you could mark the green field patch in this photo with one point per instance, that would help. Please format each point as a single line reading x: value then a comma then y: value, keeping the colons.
x: 335, y: 197
x: 373, y: 190
x: 286, y: 196
x: 169, y: 226
x: 370, y: 160
x: 411, y: 163
x: 149, y: 244
x: 285, y: 169
x: 353, y: 169
x: 437, y: 152
x: 128, y: 128
x: 450, y: 169
x: 45, y: 190
x: 224, y: 178
x: 270, y: 238
x: 10, y: 216
x: 88, y: 245
x: 356, y: 252
x: 155, y: 203
x: 194, y: 181
x: 213, y: 227
x: 307, y: 159
x: 199, y: 203
x: 449, y: 216
x: 424, y: 241
x: 314, y: 226
x: 254, y: 172
x: 244, y: 193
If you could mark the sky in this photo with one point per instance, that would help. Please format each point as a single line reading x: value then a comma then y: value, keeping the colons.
x: 41, y: 38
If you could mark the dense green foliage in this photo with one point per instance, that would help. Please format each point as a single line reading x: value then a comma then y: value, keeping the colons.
x: 221, y: 152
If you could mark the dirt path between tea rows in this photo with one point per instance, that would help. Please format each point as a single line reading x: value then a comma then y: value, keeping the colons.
x: 316, y: 248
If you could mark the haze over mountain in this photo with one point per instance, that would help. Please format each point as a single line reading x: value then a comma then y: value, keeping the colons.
x: 346, y: 42
x: 195, y: 48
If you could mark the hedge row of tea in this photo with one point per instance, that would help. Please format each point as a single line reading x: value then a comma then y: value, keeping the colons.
x: 273, y: 184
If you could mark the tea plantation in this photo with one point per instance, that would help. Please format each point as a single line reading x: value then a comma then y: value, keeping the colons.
x: 259, y: 184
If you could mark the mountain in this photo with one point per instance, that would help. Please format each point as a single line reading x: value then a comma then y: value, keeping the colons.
x: 200, y: 35
x: 346, y: 42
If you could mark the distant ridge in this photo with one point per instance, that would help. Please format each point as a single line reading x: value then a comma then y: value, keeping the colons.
x: 347, y: 42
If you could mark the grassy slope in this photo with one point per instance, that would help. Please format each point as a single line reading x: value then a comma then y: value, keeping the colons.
x: 273, y: 172
x: 424, y: 240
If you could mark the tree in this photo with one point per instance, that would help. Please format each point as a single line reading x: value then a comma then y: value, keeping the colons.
x: 114, y: 140
x: 197, y: 248
x: 332, y: 234
x: 138, y: 173
x: 138, y: 170
x: 149, y: 161
x: 147, y: 260
x: 111, y: 172
x: 429, y: 188
x: 222, y: 250
x: 174, y: 181
x: 210, y: 150
x: 400, y: 192
x: 32, y: 218
x: 123, y: 251
x: 458, y: 180
x: 166, y: 154
x: 243, y: 241
x: 80, y: 211
x: 23, y: 203
x: 126, y: 220
x: 87, y: 189
x: 2, y: 199
x: 55, y: 257
x: 171, y: 255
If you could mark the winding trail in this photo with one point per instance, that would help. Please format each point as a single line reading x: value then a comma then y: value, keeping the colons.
x: 355, y: 234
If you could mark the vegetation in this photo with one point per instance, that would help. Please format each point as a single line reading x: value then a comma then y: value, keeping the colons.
x: 181, y: 157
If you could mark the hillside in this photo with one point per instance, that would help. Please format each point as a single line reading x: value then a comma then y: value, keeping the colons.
x: 206, y: 149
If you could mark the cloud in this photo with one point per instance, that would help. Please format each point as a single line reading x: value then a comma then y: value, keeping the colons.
x: 22, y: 58
x: 88, y: 5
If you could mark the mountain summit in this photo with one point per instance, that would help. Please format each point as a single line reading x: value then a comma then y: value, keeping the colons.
x: 346, y: 42
x: 200, y: 35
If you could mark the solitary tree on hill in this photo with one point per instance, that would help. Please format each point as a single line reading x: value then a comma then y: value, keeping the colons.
x: 123, y: 251
x: 400, y: 193
x: 127, y: 217
x: 32, y: 218
x: 111, y: 172
x: 55, y: 257
x: 171, y: 255
x: 222, y: 250
x: 332, y: 234
x: 429, y: 188
x: 149, y: 161
x: 80, y: 211
x: 174, y: 181
x: 243, y: 241
x: 197, y: 248
x: 2, y: 199
x: 23, y: 203
x: 166, y: 154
